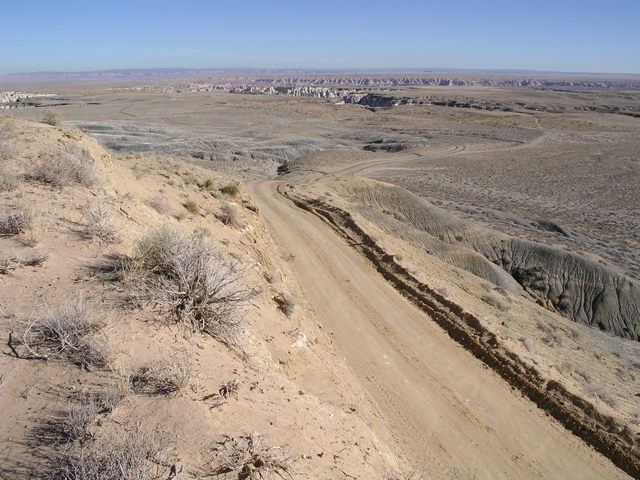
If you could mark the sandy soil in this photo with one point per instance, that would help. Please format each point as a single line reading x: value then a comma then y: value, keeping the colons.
x: 439, y: 405
x: 370, y: 351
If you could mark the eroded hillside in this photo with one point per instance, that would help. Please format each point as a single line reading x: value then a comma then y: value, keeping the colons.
x: 147, y: 330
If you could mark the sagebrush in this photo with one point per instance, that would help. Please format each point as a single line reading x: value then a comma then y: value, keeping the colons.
x: 68, y: 332
x: 99, y: 221
x: 15, y: 222
x: 134, y: 457
x: 71, y: 165
x: 194, y: 285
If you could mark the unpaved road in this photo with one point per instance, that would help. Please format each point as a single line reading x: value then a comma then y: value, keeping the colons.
x: 443, y: 408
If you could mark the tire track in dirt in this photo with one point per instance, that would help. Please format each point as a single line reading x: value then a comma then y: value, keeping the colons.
x: 439, y: 406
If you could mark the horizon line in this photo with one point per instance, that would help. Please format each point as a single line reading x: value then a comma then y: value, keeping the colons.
x: 316, y: 70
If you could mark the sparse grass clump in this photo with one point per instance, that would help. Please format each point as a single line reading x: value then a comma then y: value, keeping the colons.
x: 230, y: 214
x: 208, y: 184
x: 16, y: 222
x: 73, y: 165
x: 232, y: 189
x: 251, y: 459
x: 191, y: 179
x: 191, y: 283
x: 161, y: 378
x: 99, y: 222
x: 12, y: 262
x: 35, y: 259
x: 66, y: 332
x: 191, y: 207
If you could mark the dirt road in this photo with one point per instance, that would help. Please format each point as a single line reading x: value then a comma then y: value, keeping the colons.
x: 442, y: 408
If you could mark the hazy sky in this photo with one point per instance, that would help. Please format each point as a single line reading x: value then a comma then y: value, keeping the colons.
x: 560, y: 35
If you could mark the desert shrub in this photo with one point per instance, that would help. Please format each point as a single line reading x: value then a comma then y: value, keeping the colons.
x: 232, y: 189
x: 34, y: 259
x: 99, y: 221
x: 7, y: 128
x: 66, y: 332
x: 191, y: 178
x: 73, y: 165
x: 208, y: 184
x: 194, y: 285
x: 160, y: 205
x: 110, y: 397
x: 134, y: 457
x: 230, y: 214
x: 51, y: 118
x: 16, y: 222
x: 201, y: 232
x: 161, y: 378
x: 8, y: 180
x: 8, y: 263
x: 250, y: 458
x: 191, y: 206
x: 7, y: 150
x: 79, y: 417
x: 286, y: 303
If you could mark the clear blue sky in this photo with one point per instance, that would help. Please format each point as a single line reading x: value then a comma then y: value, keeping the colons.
x: 560, y: 35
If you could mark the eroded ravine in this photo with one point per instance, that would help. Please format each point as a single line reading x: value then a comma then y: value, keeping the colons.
x: 442, y: 407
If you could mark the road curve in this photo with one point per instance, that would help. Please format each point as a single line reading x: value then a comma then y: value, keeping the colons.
x: 443, y: 407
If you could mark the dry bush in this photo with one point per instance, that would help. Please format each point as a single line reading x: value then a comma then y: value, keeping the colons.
x: 134, y: 457
x: 16, y: 222
x: 194, y: 285
x: 201, y: 232
x: 110, y: 397
x: 8, y: 263
x: 7, y: 150
x: 51, y: 118
x: 229, y: 389
x: 191, y: 179
x: 12, y: 262
x: 286, y: 303
x: 100, y: 222
x: 250, y: 458
x: 79, y: 417
x: 232, y: 189
x: 230, y: 214
x: 192, y: 207
x: 161, y: 378
x: 208, y: 184
x: 8, y: 179
x: 72, y: 165
x: 7, y: 128
x: 35, y: 259
x: 160, y: 205
x: 66, y: 332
